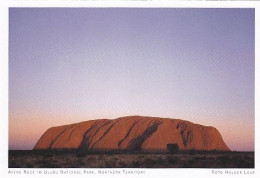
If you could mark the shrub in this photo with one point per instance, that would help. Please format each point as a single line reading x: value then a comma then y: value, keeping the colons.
x: 173, y: 160
x: 173, y: 147
x: 135, y: 164
x: 192, y: 152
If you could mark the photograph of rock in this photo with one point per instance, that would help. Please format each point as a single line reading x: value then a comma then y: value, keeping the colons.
x: 131, y: 88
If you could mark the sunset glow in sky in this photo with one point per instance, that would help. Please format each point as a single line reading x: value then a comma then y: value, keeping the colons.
x: 68, y: 65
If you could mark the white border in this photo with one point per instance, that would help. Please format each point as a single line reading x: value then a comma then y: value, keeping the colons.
x: 144, y: 4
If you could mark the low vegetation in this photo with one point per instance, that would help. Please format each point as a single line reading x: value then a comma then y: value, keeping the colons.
x: 74, y: 159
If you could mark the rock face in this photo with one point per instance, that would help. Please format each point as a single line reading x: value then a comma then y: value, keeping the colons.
x: 133, y: 133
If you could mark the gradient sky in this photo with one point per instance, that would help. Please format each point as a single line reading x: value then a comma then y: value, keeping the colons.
x: 70, y: 65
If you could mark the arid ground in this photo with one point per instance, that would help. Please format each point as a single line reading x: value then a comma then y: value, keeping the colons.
x: 73, y: 159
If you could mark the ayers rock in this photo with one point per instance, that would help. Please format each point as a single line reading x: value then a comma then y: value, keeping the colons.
x: 133, y: 133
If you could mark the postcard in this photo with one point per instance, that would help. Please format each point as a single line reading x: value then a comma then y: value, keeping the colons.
x: 129, y: 89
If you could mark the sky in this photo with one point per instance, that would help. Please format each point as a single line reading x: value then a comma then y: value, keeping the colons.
x: 68, y: 65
